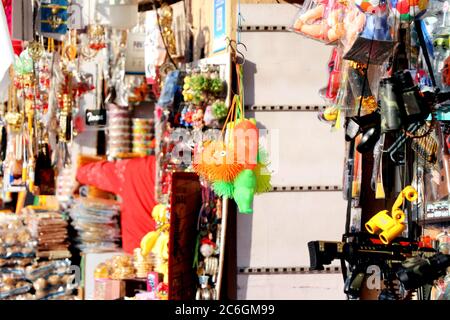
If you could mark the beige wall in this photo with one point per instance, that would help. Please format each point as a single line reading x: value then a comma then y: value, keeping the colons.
x: 271, y: 1
x: 202, y: 21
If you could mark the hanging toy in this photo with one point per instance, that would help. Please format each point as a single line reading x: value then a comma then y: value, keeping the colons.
x: 245, y: 141
x: 235, y: 165
x: 445, y: 72
x: 244, y: 190
x: 207, y: 247
x: 197, y: 119
x: 407, y: 10
x: 369, y: 6
x: 391, y: 226
x: 321, y: 20
x: 375, y: 37
x: 23, y: 64
x: 219, y: 109
x: 186, y: 117
x: 245, y: 183
x: 216, y: 161
x: 209, y: 118
x: 150, y: 240
x: 216, y: 85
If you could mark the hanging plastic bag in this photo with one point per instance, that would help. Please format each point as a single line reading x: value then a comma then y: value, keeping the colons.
x: 374, y: 44
x: 321, y: 20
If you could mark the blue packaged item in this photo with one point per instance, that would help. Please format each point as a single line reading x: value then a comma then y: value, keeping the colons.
x: 54, y: 16
x: 170, y: 89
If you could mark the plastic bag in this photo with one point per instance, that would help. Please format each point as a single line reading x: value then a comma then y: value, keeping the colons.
x: 20, y: 287
x: 375, y: 37
x: 321, y: 20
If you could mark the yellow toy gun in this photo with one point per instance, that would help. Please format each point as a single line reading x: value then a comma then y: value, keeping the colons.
x: 391, y: 226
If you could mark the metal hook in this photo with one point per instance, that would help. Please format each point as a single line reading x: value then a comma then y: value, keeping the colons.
x: 236, y: 50
x: 240, y: 53
x: 395, y: 147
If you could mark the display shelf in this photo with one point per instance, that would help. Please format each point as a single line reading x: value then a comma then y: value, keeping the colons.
x: 263, y: 28
x: 277, y: 108
x: 278, y: 232
x: 291, y: 286
x: 147, y: 5
x: 429, y: 221
x: 288, y: 270
x: 298, y: 145
x: 305, y: 188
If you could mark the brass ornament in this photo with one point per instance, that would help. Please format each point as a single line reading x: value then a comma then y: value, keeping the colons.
x: 35, y: 50
x: 369, y: 104
x: 70, y: 52
x: 165, y: 20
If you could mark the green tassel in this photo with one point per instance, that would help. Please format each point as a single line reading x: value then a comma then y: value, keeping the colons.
x: 223, y: 189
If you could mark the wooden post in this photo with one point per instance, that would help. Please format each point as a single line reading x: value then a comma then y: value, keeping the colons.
x: 223, y: 232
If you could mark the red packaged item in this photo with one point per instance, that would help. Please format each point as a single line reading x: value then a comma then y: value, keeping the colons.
x: 335, y: 74
x: 153, y: 282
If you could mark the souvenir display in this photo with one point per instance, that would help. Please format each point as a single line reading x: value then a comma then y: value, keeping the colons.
x: 26, y: 272
x: 80, y: 141
x: 95, y: 221
x: 126, y: 139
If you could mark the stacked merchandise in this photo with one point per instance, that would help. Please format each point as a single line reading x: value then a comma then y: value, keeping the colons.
x: 52, y: 280
x: 17, y: 250
x: 51, y: 274
x: 122, y: 268
x: 126, y: 267
x: 50, y: 230
x: 96, y: 222
x: 143, y: 264
x: 111, y: 277
x: 26, y: 242
x: 143, y: 136
x: 119, y: 139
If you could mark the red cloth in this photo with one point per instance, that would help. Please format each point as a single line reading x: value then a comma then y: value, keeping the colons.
x: 17, y: 44
x: 134, y: 181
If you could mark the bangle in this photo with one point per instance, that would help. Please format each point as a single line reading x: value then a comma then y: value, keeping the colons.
x: 213, y: 265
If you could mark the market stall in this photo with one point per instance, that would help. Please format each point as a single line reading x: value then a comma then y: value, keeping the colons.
x: 388, y: 91
x: 106, y: 127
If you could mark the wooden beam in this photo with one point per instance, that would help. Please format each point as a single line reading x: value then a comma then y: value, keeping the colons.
x: 147, y: 5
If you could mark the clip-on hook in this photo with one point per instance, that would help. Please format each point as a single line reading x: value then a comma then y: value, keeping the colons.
x: 395, y: 147
x: 236, y: 50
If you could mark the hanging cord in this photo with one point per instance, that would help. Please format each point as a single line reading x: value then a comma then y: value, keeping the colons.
x: 240, y: 19
x: 352, y: 145
x: 162, y: 37
x: 351, y: 165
